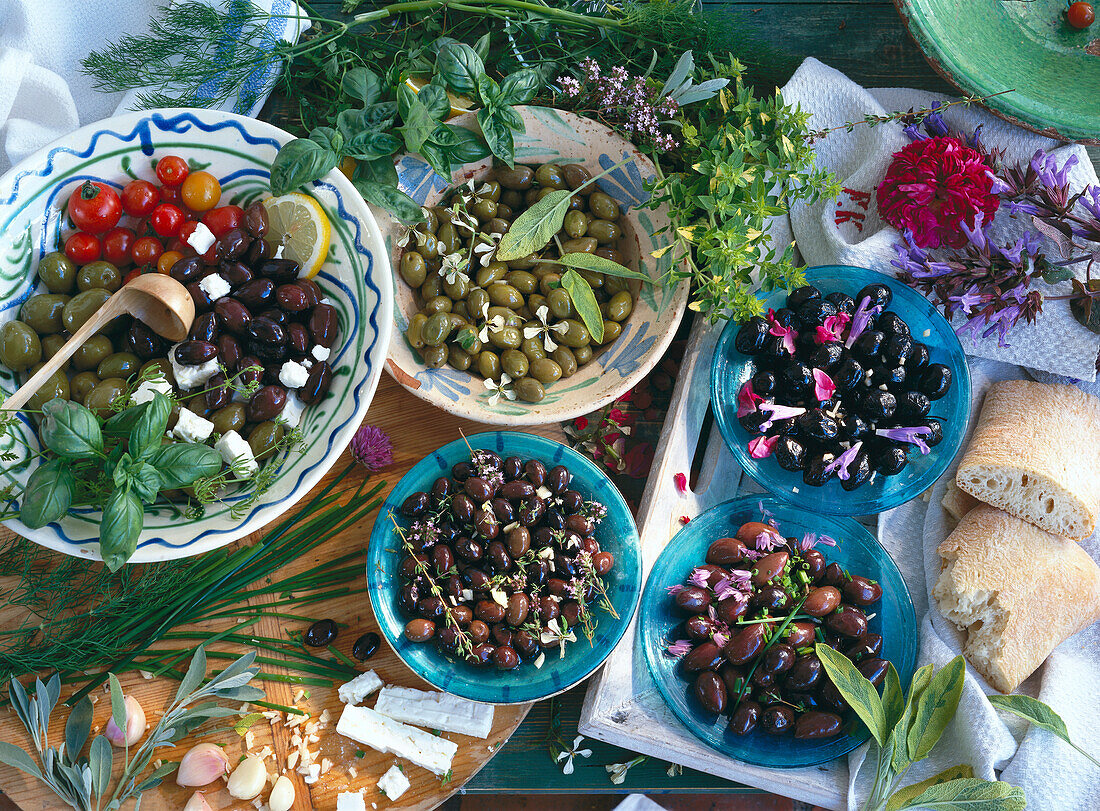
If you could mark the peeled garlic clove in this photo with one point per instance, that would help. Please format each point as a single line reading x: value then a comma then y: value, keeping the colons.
x: 202, y: 765
x: 197, y: 803
x: 135, y: 725
x: 282, y: 794
x: 248, y: 779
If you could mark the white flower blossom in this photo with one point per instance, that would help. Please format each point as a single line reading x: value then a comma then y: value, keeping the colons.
x: 617, y: 771
x: 494, y: 324
x: 487, y: 249
x: 533, y: 330
x: 568, y: 754
x: 452, y: 267
x: 499, y: 388
x: 461, y: 218
x: 557, y: 632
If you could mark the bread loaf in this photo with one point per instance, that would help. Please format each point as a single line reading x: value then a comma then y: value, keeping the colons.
x: 1017, y: 590
x: 956, y: 502
x: 1036, y: 454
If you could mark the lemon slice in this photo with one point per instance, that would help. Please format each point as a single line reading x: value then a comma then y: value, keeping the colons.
x: 459, y: 104
x: 298, y: 223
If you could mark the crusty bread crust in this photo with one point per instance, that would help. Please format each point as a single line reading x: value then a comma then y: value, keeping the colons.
x: 1036, y: 454
x: 957, y: 502
x: 1017, y: 590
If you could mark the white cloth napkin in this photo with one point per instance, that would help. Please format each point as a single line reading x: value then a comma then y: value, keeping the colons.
x: 848, y: 231
x: 1053, y: 776
x: 43, y: 92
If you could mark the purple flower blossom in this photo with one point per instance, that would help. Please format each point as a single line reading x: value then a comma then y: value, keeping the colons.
x: 974, y: 141
x: 934, y: 124
x: 768, y: 541
x: 720, y: 638
x: 861, y: 320
x: 371, y: 447
x: 766, y: 514
x: 674, y: 590
x: 1022, y: 208
x: 778, y: 412
x: 999, y: 186
x: 841, y: 463
x: 914, y: 133
x: 741, y: 578
x: 976, y: 235
x: 699, y: 577
x: 968, y: 300
x: 752, y: 555
x: 914, y: 436
x: 1090, y: 199
x: 679, y: 647
x: 1046, y: 167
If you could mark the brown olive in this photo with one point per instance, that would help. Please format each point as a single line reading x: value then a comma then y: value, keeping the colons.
x: 266, y: 404
x: 815, y: 724
x: 745, y: 645
x: 317, y: 384
x: 745, y: 718
x: 847, y: 621
x: 711, y: 691
x: 821, y: 601
x: 769, y: 567
x: 726, y: 552
x: 874, y: 670
x: 419, y: 630
x: 862, y: 591
x: 323, y: 324
x: 706, y: 656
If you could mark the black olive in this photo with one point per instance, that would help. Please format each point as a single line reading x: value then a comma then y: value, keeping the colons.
x: 790, y: 453
x: 785, y: 317
x: 892, y: 324
x: 800, y: 295
x: 859, y: 471
x: 897, y: 349
x: 787, y: 427
x: 751, y: 422
x: 890, y: 458
x: 844, y: 303
x: 879, y: 294
x: 878, y: 405
x: 912, y: 405
x: 774, y: 354
x: 826, y: 356
x: 321, y: 633
x: 752, y: 335
x: 936, y: 437
x: 817, y: 425
x: 814, y: 313
x: 764, y: 383
x: 848, y: 375
x: 851, y: 427
x: 815, y: 473
x: 892, y: 376
x: 365, y: 646
x: 918, y: 359
x: 796, y: 378
x: 868, y: 346
x: 936, y: 381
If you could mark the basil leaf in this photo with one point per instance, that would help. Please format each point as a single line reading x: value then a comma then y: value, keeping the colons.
x: 481, y: 47
x: 434, y: 98
x: 903, y: 796
x: 70, y: 430
x: 328, y: 138
x: 300, y: 162
x: 48, y: 495
x: 122, y: 423
x: 600, y: 264
x: 468, y: 146
x: 584, y: 300
x: 120, y: 471
x: 936, y: 708
x: 1038, y: 714
x: 459, y: 66
x: 123, y: 518
x: 149, y: 429
x: 77, y: 728
x: 437, y: 157
x: 181, y: 463
x: 418, y: 123
x: 443, y: 136
x: 855, y: 689
x: 535, y: 227
x: 364, y: 140
x: 381, y: 170
x: 497, y: 136
x: 362, y: 84
x: 488, y: 90
x: 510, y: 118
x: 380, y: 116
x: 971, y: 794
x: 901, y: 729
x: 519, y: 87
x: 392, y: 199
x: 146, y: 481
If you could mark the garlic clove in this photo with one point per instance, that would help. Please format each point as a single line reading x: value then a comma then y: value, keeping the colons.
x: 248, y: 779
x: 202, y: 765
x: 197, y: 803
x: 282, y: 794
x: 135, y: 725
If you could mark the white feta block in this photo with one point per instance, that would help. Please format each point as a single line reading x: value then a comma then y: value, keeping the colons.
x: 389, y: 736
x: 234, y: 449
x: 148, y: 388
x: 190, y: 427
x: 435, y: 710
x: 291, y: 414
x: 215, y: 286
x: 190, y: 377
x: 349, y: 801
x: 360, y: 687
x: 321, y: 352
x: 293, y: 375
x: 201, y: 238
x: 278, y: 252
x: 393, y: 783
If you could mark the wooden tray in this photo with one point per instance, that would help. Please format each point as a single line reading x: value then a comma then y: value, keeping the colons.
x: 395, y: 411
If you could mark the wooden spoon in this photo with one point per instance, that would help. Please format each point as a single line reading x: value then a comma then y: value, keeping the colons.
x: 162, y: 303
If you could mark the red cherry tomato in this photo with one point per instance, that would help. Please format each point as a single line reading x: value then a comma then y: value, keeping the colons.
x: 222, y: 219
x: 146, y: 251
x: 94, y: 207
x: 117, y: 244
x: 166, y: 220
x: 82, y: 248
x: 172, y: 170
x: 139, y: 198
x: 173, y: 195
x: 1080, y: 15
x: 186, y: 230
x: 133, y: 274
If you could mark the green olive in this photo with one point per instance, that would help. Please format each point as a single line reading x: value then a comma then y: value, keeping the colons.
x: 105, y: 392
x: 576, y: 224
x: 20, y: 347
x: 415, y: 332
x: 488, y: 364
x: 544, y: 268
x: 594, y: 279
x: 578, y: 202
x: 583, y: 354
x: 560, y: 304
x: 436, y: 329
x: 532, y: 196
x: 477, y: 302
x: 551, y: 281
x: 526, y: 283
x: 605, y: 232
x: 525, y: 313
x: 432, y: 287
x: 550, y: 175
x: 535, y: 301
x: 575, y: 175
x: 503, y: 294
x: 434, y: 357
x: 529, y: 390
x: 499, y: 224
x: 81, y: 384
x: 489, y: 190
x: 459, y: 288
x: 467, y: 339
x: 101, y: 275
x: 507, y: 338
x: 610, y: 253
x: 515, y: 363
x: 430, y: 222
x: 485, y: 210
x: 611, y: 331
x: 83, y: 306
x: 413, y: 269
x: 524, y: 262
x: 447, y: 238
x: 457, y: 321
x: 429, y: 248
x: 563, y: 356
x: 533, y: 348
x: 615, y: 284
x: 42, y: 313
x: 603, y: 206
x: 542, y: 192
x: 58, y: 272
x: 92, y: 353
x: 51, y: 345
x: 517, y: 178
x: 264, y: 438
x: 56, y: 385
x: 463, y: 310
x: 438, y: 304
x: 120, y: 364
x: 545, y: 371
x: 163, y: 366
x: 229, y: 418
x: 581, y: 245
x: 576, y: 334
x: 493, y: 272
x: 510, y: 197
x: 620, y: 307
x: 511, y: 319
x: 459, y: 358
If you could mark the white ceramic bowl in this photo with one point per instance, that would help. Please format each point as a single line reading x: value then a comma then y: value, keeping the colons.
x: 238, y: 151
x: 552, y: 136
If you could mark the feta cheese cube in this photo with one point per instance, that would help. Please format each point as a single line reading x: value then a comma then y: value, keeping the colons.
x: 321, y: 352
x: 292, y: 412
x: 389, y: 736
x: 435, y: 710
x: 393, y: 783
x: 189, y: 377
x: 148, y: 388
x: 348, y: 801
x: 215, y: 286
x: 191, y: 427
x: 201, y: 238
x: 235, y: 450
x: 293, y: 375
x: 360, y: 687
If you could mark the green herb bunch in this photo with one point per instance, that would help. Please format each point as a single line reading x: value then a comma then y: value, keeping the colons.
x: 83, y: 783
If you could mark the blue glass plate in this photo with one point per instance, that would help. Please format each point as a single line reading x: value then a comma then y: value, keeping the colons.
x: 732, y: 369
x: 893, y: 618
x: 616, y: 534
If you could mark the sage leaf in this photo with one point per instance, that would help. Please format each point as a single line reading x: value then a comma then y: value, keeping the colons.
x: 970, y: 794
x: 182, y: 463
x: 497, y: 134
x: 123, y: 518
x: 48, y: 494
x: 235, y: 669
x: 904, y: 795
x: 893, y: 700
x: 535, y: 227
x: 601, y: 264
x: 196, y: 672
x: 392, y: 199
x: 70, y: 430
x: 936, y: 708
x: 856, y: 690
x: 244, y: 693
x: 118, y: 702
x: 12, y: 755
x: 99, y: 761
x: 299, y: 162
x: 1055, y: 275
x: 1039, y: 714
x: 459, y: 66
x: 77, y: 728
x: 148, y: 430
x: 584, y: 301
x: 25, y: 709
x: 900, y: 734
x: 362, y: 84
x: 519, y: 87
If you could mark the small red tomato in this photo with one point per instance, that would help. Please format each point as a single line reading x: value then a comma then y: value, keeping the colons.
x: 139, y: 198
x: 222, y: 219
x: 186, y: 230
x: 133, y: 274
x: 94, y: 207
x: 166, y: 220
x: 82, y: 248
x: 146, y: 251
x: 117, y: 244
x: 172, y: 170
x: 1080, y: 15
x: 172, y: 194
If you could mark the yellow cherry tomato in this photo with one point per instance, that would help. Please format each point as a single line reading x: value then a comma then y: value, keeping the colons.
x: 201, y: 191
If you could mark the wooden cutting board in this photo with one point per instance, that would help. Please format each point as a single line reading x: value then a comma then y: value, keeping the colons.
x: 416, y: 429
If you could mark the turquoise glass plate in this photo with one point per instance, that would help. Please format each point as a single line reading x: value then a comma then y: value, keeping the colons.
x: 659, y: 624
x: 616, y: 534
x: 731, y: 369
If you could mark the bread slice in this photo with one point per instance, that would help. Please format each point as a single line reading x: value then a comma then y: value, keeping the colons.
x: 1018, y: 591
x: 956, y: 502
x: 1036, y: 454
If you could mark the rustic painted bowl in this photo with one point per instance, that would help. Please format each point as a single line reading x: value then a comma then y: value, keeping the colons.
x: 238, y: 151
x: 552, y: 136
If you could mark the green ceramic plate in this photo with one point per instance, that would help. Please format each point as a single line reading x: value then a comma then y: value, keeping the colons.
x: 988, y: 46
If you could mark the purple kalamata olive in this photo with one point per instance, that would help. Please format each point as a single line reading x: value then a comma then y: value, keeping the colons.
x: 769, y: 567
x: 297, y: 340
x: 745, y: 718
x: 255, y: 220
x: 847, y: 621
x: 862, y: 591
x: 232, y: 316
x: 815, y: 725
x: 236, y: 273
x: 821, y: 601
x: 745, y: 645
x: 256, y: 294
x: 229, y: 351
x: 711, y: 692
x: 143, y: 342
x: 234, y: 243
x: 266, y: 404
x: 188, y: 269
x: 194, y: 353
x: 217, y: 394
x: 258, y: 252
x: 204, y: 328
x: 419, y: 630
x: 198, y: 295
x: 706, y: 656
x: 693, y: 600
x: 313, y: 292
x: 323, y: 325
x: 291, y: 297
x: 280, y: 271
x: 317, y: 384
x: 778, y: 719
x: 873, y: 669
x: 726, y: 552
x: 262, y: 330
